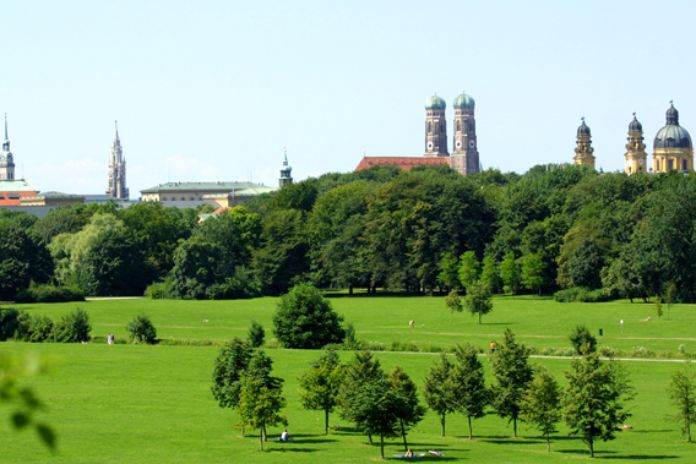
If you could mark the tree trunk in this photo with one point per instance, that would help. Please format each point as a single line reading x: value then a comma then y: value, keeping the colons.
x: 326, y: 421
x: 369, y: 437
x: 403, y: 434
x: 590, y: 442
x: 263, y: 433
x: 261, y: 439
x: 350, y: 289
x: 471, y: 435
x: 442, y: 425
x: 514, y: 427
x: 479, y: 315
x: 381, y: 445
x: 548, y: 442
x: 243, y: 428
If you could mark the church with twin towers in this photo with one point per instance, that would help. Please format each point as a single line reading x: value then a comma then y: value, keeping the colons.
x: 464, y: 157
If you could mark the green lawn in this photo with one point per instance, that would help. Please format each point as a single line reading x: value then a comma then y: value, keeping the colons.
x: 152, y: 404
x: 538, y: 322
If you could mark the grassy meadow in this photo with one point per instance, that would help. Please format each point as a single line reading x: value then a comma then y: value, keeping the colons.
x: 150, y: 404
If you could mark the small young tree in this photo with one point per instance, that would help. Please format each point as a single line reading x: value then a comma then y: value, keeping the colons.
x: 362, y: 370
x: 261, y: 395
x: 513, y: 373
x: 682, y: 391
x: 439, y: 392
x: 532, y: 271
x: 658, y: 307
x: 489, y: 273
x: 448, y: 277
x: 453, y: 302
x: 593, y: 400
x: 256, y: 335
x: 305, y: 319
x: 583, y: 341
x: 407, y: 408
x: 74, y: 327
x: 478, y: 300
x: 541, y: 404
x: 321, y: 385
x: 510, y: 273
x: 469, y: 384
x: 375, y: 409
x: 469, y: 269
x: 229, y: 366
x: 670, y: 295
x: 142, y: 330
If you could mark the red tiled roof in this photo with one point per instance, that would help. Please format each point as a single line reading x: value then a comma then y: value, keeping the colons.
x: 405, y: 163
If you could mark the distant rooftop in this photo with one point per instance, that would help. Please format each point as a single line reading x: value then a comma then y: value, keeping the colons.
x: 203, y: 187
x: 55, y: 195
x: 405, y: 163
x: 17, y: 185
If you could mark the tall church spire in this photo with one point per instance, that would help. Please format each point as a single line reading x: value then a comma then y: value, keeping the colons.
x: 583, y: 146
x: 285, y: 171
x: 7, y: 165
x: 117, y: 169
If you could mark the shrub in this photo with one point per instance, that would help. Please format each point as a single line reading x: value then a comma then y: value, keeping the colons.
x: 305, y: 319
x: 583, y: 341
x: 157, y: 290
x: 583, y: 295
x: 8, y: 323
x: 141, y: 330
x: 47, y: 293
x: 256, y: 335
x: 74, y: 327
x: 34, y: 328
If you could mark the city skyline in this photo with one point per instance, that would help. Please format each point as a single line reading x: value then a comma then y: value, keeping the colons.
x: 216, y: 92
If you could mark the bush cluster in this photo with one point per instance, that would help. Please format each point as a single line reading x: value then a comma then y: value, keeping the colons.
x: 74, y: 327
x: 583, y: 295
x: 47, y: 293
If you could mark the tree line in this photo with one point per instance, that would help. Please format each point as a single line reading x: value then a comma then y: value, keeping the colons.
x: 561, y: 229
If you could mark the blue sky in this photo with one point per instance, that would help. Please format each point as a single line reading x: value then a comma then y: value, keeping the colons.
x: 213, y: 90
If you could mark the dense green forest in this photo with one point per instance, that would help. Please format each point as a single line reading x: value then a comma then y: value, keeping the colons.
x: 556, y: 229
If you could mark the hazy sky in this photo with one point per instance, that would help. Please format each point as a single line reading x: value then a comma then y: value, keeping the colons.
x: 213, y: 90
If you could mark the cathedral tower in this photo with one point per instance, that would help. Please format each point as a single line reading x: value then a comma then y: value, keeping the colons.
x: 672, y: 148
x: 583, y: 148
x: 7, y: 165
x: 465, y: 156
x: 636, y: 158
x: 285, y: 172
x: 117, y: 170
x: 435, y: 127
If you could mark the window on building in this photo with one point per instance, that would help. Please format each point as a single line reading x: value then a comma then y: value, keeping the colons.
x: 670, y: 165
x: 685, y: 166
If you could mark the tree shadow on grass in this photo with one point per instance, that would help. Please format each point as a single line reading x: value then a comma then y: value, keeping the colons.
x: 606, y: 454
x: 511, y: 441
x: 291, y: 449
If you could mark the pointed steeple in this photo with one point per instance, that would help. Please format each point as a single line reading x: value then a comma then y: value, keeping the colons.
x: 7, y: 166
x: 7, y: 137
x: 285, y: 170
x: 117, y: 169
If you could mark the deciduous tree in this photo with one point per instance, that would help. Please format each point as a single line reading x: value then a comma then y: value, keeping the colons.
x: 468, y: 381
x: 321, y: 385
x: 541, y: 404
x: 439, y: 390
x: 512, y: 373
x: 593, y: 400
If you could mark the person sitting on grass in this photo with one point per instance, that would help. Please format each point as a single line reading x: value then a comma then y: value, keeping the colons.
x: 284, y: 437
x: 409, y: 453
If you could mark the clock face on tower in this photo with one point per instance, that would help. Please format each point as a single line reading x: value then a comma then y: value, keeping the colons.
x: 640, y: 161
x: 459, y: 143
x: 430, y: 145
x: 472, y: 144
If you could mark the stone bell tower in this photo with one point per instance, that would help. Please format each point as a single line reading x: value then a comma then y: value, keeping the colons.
x: 465, y: 156
x: 435, y: 127
x: 583, y: 146
x: 636, y: 157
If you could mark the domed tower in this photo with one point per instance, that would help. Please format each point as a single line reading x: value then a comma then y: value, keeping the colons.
x: 583, y: 146
x: 435, y: 127
x: 285, y: 172
x: 636, y: 157
x: 7, y: 165
x: 672, y: 148
x: 465, y: 157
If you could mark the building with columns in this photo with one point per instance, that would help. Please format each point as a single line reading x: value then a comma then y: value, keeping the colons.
x: 117, y: 170
x: 672, y: 147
